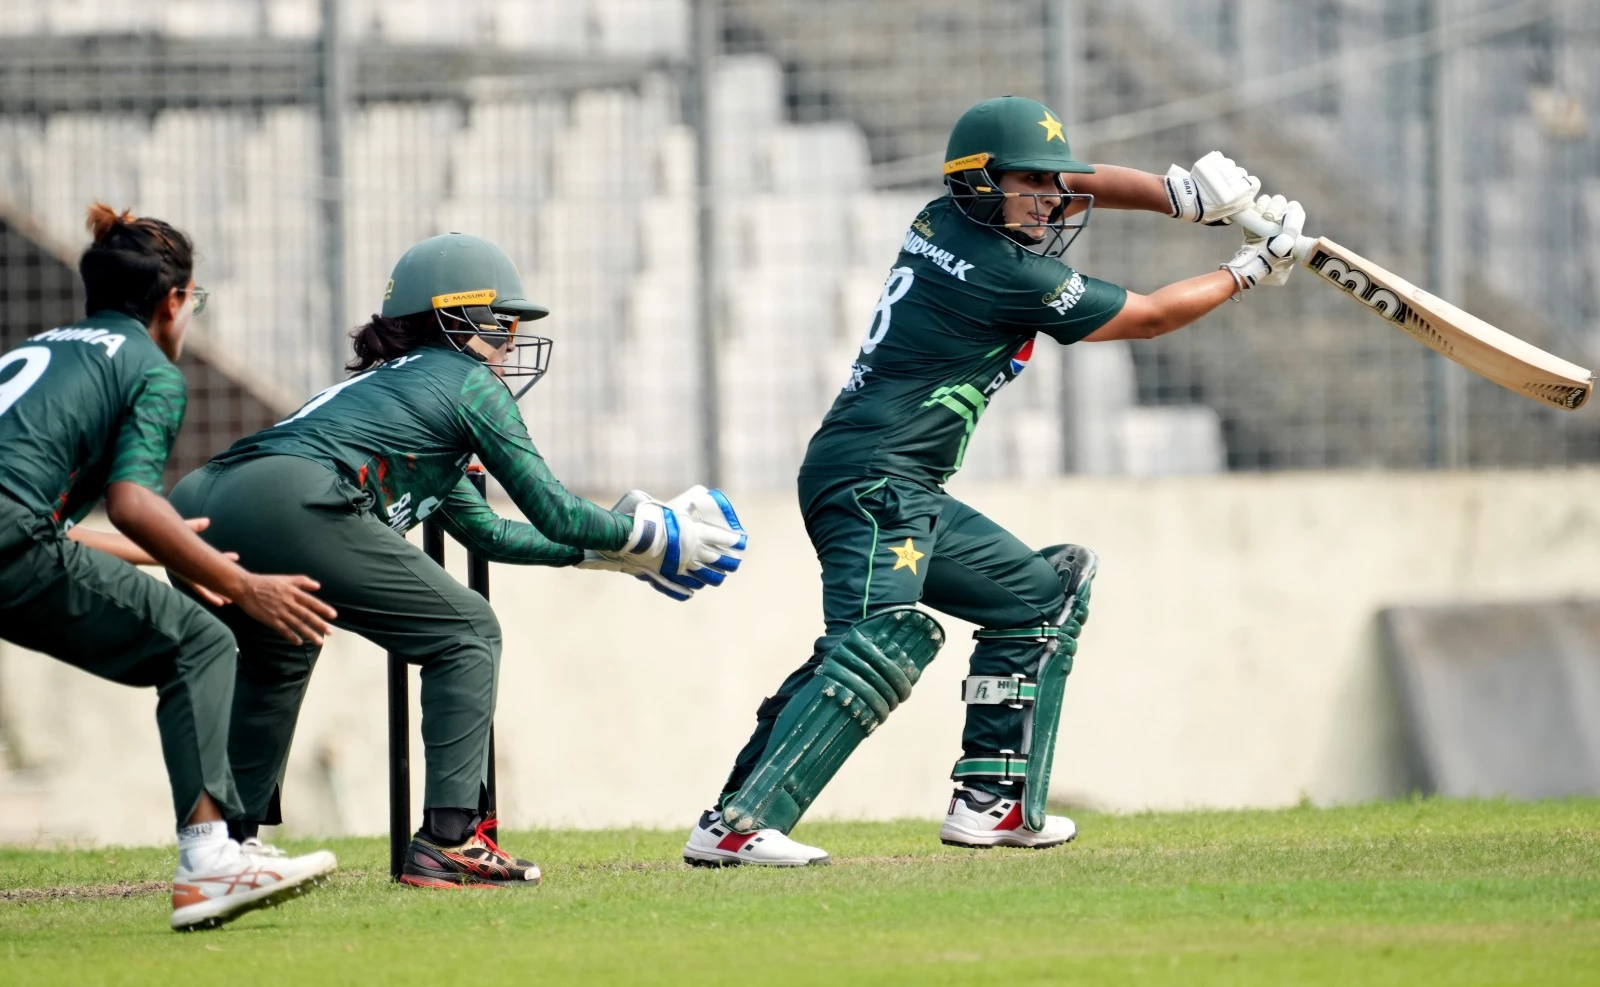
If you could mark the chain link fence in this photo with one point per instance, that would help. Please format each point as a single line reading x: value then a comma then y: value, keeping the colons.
x: 703, y: 326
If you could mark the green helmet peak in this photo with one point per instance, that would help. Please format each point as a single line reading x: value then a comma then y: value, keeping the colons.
x: 456, y: 269
x: 1010, y: 133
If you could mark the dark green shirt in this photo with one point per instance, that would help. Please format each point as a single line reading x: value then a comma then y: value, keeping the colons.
x: 405, y: 429
x: 82, y: 407
x: 955, y: 323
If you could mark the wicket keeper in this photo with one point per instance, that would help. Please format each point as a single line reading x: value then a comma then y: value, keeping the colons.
x: 332, y: 489
x: 979, y: 276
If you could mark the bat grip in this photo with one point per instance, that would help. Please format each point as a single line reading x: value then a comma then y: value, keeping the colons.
x: 1252, y: 220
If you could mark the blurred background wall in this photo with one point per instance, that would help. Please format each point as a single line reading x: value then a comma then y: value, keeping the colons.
x: 714, y: 190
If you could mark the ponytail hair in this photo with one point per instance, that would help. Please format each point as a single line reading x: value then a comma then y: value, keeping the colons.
x: 133, y: 263
x: 384, y: 339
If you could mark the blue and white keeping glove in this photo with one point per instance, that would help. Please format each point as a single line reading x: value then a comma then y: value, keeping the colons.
x: 712, y: 510
x: 677, y: 547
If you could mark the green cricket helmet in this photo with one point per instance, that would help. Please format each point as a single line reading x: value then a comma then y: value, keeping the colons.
x: 1013, y: 133
x: 475, y: 294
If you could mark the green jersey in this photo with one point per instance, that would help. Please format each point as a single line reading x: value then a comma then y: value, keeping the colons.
x: 405, y: 429
x: 955, y: 323
x: 82, y: 407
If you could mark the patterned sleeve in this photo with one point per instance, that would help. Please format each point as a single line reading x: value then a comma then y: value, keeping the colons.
x: 471, y: 521
x: 498, y: 436
x: 149, y: 428
x: 1047, y: 296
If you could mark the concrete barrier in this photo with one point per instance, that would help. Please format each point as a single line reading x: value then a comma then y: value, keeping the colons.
x: 1232, y: 659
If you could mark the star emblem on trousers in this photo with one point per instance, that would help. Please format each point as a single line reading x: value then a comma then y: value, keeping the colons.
x: 906, y: 556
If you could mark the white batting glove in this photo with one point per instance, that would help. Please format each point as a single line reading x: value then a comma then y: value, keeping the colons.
x: 1269, y: 260
x: 1214, y: 189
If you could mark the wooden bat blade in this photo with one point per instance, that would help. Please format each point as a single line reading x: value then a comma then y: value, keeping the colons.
x: 1489, y: 352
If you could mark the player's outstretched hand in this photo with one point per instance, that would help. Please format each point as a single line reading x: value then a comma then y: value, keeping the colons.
x: 1214, y: 189
x: 1269, y: 259
x: 285, y: 604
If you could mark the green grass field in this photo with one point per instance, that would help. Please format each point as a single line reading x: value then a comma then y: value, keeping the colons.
x: 1421, y: 892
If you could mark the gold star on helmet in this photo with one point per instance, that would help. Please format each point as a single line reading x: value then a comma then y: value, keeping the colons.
x: 906, y: 557
x: 1052, y: 128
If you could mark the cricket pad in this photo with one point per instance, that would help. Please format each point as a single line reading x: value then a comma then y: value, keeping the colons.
x: 866, y: 676
x: 1077, y: 566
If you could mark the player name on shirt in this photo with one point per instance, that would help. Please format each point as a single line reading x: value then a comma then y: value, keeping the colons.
x: 112, y: 341
x: 946, y: 261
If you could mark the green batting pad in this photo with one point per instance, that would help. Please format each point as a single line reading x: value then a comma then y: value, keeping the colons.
x: 1039, y: 741
x: 866, y: 676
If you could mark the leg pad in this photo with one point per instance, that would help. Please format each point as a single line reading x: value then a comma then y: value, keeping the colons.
x: 866, y: 676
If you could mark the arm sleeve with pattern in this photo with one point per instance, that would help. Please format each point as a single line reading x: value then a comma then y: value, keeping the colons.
x: 1045, y: 295
x: 145, y: 437
x: 471, y: 521
x: 500, y: 439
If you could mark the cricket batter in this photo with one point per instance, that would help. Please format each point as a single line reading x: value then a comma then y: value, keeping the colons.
x: 978, y: 278
x: 91, y: 410
x: 331, y: 490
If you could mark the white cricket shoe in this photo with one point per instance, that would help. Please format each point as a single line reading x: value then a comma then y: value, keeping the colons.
x: 240, y: 879
x: 980, y: 820
x: 713, y: 844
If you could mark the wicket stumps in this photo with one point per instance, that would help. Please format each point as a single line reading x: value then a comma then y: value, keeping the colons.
x: 400, y: 821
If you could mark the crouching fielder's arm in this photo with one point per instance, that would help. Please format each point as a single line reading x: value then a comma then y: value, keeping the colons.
x: 471, y: 521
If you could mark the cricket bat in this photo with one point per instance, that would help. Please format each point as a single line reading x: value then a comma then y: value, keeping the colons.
x: 1491, y: 353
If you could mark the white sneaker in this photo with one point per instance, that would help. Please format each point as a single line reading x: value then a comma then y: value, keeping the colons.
x: 241, y: 879
x: 980, y: 820
x: 713, y: 844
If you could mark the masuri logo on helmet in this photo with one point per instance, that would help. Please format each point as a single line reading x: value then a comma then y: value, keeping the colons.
x: 1013, y: 133
x: 476, y: 294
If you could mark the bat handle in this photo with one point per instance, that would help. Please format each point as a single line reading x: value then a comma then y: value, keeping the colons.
x: 1258, y: 224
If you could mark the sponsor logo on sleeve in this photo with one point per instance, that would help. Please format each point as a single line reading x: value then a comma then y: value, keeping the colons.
x: 1066, y: 294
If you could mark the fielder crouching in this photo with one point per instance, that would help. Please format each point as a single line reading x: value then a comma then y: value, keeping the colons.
x: 978, y: 277
x: 90, y: 410
x: 332, y: 489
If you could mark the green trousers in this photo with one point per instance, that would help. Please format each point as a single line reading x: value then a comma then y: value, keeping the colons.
x: 283, y: 514
x: 104, y: 616
x: 887, y: 542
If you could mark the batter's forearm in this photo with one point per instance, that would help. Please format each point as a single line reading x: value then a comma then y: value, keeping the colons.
x: 1184, y: 302
x: 1116, y: 187
x: 1167, y: 310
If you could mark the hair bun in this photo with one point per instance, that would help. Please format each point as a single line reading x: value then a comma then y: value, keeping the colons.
x: 103, y: 219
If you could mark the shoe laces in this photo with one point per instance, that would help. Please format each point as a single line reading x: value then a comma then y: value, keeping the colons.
x: 484, y: 834
x: 255, y: 847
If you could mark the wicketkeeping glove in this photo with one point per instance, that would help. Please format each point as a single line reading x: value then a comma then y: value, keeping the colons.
x: 713, y: 509
x: 703, y: 526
